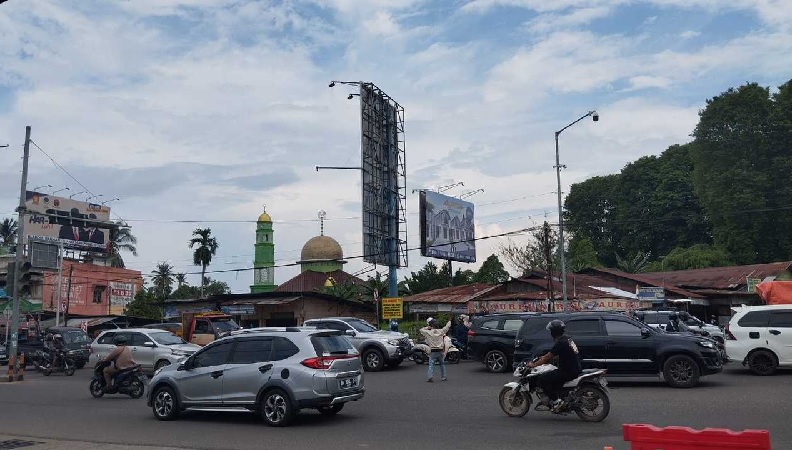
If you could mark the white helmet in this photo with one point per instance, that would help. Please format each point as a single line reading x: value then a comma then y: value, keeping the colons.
x: 429, y: 320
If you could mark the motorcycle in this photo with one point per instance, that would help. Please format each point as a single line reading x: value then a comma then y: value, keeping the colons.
x: 421, y: 352
x: 130, y: 381
x: 65, y: 364
x: 586, y: 395
x: 40, y: 358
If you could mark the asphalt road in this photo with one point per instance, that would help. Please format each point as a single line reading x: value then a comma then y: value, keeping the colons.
x: 401, y: 410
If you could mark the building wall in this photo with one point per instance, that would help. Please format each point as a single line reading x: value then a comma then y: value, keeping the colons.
x: 90, y: 288
x: 309, y: 308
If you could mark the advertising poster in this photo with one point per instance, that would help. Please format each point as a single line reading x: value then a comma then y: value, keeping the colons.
x: 447, y: 228
x: 78, y: 225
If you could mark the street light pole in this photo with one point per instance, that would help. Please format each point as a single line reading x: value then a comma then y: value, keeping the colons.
x: 594, y: 115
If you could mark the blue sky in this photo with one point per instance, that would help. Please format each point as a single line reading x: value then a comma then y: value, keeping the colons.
x: 206, y: 110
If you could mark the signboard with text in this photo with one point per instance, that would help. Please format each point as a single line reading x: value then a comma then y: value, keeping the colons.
x: 78, y: 225
x: 651, y: 294
x: 392, y: 308
x: 121, y: 294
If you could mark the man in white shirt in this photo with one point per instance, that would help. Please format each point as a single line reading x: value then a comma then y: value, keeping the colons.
x: 434, y: 339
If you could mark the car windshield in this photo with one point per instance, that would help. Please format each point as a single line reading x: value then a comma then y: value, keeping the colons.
x: 362, y: 326
x: 224, y: 325
x: 72, y: 337
x: 166, y: 338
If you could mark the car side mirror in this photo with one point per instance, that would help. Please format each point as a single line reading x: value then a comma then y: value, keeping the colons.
x: 645, y: 333
x: 149, y: 344
x: 186, y: 365
x: 350, y: 333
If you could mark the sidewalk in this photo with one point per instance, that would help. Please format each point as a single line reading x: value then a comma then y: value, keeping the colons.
x: 25, y: 443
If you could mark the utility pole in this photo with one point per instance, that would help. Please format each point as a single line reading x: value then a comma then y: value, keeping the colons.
x: 13, y: 363
x: 60, y: 284
x: 547, y: 254
x: 68, y: 297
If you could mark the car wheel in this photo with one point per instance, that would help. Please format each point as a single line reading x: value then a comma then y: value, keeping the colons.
x: 373, y: 360
x: 496, y: 361
x: 763, y: 363
x: 330, y: 410
x: 161, y: 364
x: 394, y: 363
x: 276, y: 408
x: 164, y: 404
x: 681, y: 371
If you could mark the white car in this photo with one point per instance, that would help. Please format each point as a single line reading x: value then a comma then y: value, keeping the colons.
x: 151, y: 348
x: 761, y: 337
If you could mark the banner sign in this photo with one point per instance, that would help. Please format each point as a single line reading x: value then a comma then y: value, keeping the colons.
x: 447, y: 228
x: 506, y: 306
x: 392, y: 308
x: 651, y: 294
x: 121, y: 294
x: 78, y: 225
x: 240, y: 310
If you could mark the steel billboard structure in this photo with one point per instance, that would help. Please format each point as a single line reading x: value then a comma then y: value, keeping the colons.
x: 384, y: 178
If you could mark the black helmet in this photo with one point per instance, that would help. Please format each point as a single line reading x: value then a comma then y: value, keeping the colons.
x: 556, y: 327
x: 57, y: 337
x: 120, y: 340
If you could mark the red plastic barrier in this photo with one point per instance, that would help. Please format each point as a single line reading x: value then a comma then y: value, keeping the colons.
x: 648, y: 437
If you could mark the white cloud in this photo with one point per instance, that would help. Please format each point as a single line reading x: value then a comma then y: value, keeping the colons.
x: 381, y: 24
x: 689, y: 34
x: 553, y: 21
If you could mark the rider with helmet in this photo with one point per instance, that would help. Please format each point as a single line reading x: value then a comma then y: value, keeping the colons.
x: 121, y: 357
x: 56, y: 347
x: 568, y: 364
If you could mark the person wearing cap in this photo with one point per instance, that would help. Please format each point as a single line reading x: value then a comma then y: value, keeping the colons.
x: 121, y: 358
x: 435, y: 340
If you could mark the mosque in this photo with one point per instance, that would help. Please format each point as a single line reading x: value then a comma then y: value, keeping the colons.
x: 296, y: 300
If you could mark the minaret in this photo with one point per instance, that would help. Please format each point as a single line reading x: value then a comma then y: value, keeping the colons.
x: 264, y: 262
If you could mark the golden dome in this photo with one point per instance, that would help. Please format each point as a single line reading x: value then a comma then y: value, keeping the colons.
x: 321, y: 248
x: 264, y: 217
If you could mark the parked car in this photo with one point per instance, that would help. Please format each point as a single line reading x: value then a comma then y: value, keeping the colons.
x: 660, y: 319
x: 491, y: 340
x: 151, y: 348
x: 76, y: 341
x: 173, y: 327
x: 624, y: 346
x: 761, y: 337
x: 273, y: 373
x: 377, y: 348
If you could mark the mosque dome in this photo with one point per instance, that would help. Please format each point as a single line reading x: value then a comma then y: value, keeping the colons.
x: 321, y: 248
x: 264, y: 217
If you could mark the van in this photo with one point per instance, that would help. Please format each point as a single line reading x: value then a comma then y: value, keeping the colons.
x: 761, y: 337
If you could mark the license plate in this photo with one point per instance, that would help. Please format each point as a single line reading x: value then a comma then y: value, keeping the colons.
x: 347, y: 383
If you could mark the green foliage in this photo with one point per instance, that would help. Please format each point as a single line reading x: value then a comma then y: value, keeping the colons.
x: 581, y: 254
x: 121, y: 239
x: 205, y: 248
x: 635, y: 264
x: 429, y: 278
x: 162, y: 281
x: 211, y: 287
x: 145, y: 305
x: 346, y: 290
x: 8, y: 234
x: 540, y: 253
x: 491, y: 272
x: 698, y: 256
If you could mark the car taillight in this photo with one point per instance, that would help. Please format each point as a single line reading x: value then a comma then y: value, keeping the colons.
x: 324, y: 362
x: 729, y: 335
x: 471, y: 333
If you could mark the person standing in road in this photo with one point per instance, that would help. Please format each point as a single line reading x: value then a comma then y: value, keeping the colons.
x: 435, y: 340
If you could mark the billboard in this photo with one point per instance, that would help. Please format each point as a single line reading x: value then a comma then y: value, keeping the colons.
x: 651, y: 293
x: 447, y: 227
x: 121, y: 294
x: 383, y: 180
x: 78, y: 225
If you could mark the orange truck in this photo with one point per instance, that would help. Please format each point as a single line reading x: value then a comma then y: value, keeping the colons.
x: 203, y: 328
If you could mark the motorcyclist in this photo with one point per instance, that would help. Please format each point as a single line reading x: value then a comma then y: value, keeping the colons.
x: 57, y: 348
x: 121, y: 358
x: 569, y: 366
x: 461, y: 333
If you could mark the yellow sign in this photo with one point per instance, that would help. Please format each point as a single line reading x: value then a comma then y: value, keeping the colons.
x: 392, y: 308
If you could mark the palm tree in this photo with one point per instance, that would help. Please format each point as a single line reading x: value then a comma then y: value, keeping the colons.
x: 206, y: 249
x: 181, y: 279
x: 8, y: 232
x: 162, y: 281
x: 121, y: 238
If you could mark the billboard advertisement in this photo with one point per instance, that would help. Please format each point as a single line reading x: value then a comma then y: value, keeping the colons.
x: 78, y: 225
x: 447, y: 227
x: 121, y: 294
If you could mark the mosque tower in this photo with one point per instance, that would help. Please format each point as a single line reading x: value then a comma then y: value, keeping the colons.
x: 264, y: 261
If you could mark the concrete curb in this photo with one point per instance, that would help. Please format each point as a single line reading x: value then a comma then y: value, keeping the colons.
x: 33, y: 443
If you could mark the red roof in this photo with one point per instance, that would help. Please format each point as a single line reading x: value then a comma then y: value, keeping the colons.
x: 641, y: 279
x: 453, y: 294
x: 310, y: 281
x: 719, y: 278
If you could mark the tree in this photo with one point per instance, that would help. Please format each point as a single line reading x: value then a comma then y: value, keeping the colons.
x: 533, y: 255
x: 346, y: 290
x: 491, y: 272
x: 121, y: 238
x: 145, y: 305
x: 463, y: 277
x: 211, y: 287
x: 162, y: 280
x: 205, y: 248
x: 378, y: 284
x: 181, y: 279
x: 581, y: 254
x: 699, y: 256
x: 635, y: 264
x: 8, y: 233
x: 429, y: 278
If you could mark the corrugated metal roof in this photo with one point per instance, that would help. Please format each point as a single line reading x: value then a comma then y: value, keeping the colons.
x: 721, y: 278
x: 641, y: 279
x: 452, y: 294
x: 310, y: 281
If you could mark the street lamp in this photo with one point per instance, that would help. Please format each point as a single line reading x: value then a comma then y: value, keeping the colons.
x: 43, y: 186
x: 64, y: 189
x: 111, y: 200
x: 595, y: 116
x: 93, y: 196
x: 77, y: 193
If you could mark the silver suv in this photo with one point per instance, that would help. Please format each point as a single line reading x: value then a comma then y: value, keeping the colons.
x: 376, y: 347
x: 151, y: 348
x: 273, y: 372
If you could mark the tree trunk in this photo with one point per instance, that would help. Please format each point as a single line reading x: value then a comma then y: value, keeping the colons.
x: 203, y: 273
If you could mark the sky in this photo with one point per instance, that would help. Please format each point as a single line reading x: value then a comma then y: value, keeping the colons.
x: 196, y: 113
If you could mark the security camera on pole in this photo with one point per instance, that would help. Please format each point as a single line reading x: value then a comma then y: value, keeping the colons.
x: 594, y: 115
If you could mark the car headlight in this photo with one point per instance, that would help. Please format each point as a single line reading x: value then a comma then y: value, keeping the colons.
x: 179, y: 352
x: 706, y: 344
x: 394, y: 342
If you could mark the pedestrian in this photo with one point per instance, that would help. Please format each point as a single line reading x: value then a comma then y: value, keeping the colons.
x: 435, y: 340
x: 394, y: 325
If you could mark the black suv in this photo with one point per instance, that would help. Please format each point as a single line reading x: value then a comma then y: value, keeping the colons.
x: 624, y: 346
x: 491, y: 340
x: 76, y: 341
